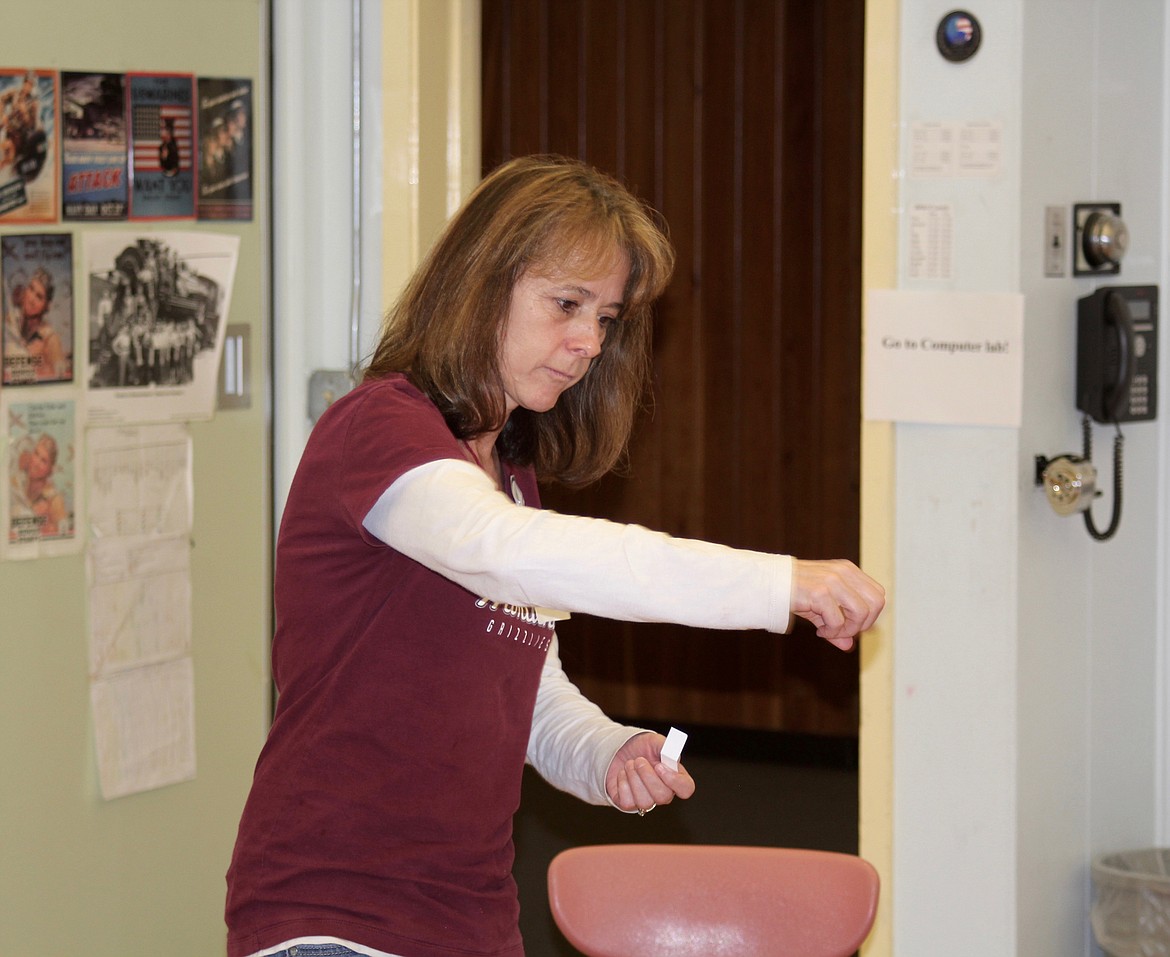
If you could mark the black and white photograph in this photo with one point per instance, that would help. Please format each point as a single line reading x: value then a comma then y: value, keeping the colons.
x: 158, y: 308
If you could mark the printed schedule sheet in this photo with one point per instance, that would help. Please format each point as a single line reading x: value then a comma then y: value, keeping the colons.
x: 139, y: 571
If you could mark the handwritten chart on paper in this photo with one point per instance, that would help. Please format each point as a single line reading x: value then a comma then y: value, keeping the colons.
x: 141, y: 675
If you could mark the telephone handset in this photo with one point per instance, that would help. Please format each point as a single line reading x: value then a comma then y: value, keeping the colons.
x: 1117, y: 355
x: 1118, y: 369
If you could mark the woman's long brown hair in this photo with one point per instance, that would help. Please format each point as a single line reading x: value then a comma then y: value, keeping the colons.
x: 541, y: 213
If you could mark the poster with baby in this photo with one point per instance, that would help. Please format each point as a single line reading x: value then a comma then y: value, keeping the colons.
x: 40, y: 509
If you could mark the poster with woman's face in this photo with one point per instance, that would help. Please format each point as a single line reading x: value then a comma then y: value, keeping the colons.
x: 36, y: 274
x: 41, y: 502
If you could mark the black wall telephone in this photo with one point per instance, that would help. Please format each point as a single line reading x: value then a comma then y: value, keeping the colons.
x: 1117, y: 354
x: 1117, y: 381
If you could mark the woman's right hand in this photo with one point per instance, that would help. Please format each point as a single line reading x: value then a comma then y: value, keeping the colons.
x: 836, y: 596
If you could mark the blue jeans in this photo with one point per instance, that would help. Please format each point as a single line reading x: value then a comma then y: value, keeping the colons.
x: 317, y: 950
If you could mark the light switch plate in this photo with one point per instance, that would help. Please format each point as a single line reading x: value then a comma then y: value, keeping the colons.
x: 235, y: 378
x: 1055, y: 241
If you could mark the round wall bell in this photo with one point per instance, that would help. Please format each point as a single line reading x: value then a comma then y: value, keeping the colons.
x: 1104, y: 239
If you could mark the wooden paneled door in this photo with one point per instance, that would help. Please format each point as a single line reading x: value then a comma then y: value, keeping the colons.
x: 740, y: 120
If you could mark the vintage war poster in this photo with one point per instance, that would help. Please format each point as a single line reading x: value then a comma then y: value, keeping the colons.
x: 162, y: 145
x: 36, y: 272
x: 94, y: 177
x: 39, y: 510
x: 225, y: 148
x: 28, y: 146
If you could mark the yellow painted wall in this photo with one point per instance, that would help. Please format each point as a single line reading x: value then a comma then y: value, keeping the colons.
x: 141, y: 874
x: 879, y: 271
x: 430, y: 125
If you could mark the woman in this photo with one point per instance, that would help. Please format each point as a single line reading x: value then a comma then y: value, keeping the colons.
x: 38, y: 508
x: 33, y: 338
x: 415, y: 652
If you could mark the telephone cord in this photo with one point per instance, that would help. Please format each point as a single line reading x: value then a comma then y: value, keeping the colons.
x: 1115, y: 518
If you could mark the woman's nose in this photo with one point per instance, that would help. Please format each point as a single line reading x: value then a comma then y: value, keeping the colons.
x: 587, y: 337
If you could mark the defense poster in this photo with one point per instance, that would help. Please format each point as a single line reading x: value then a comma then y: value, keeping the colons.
x: 162, y: 135
x: 37, y: 275
x: 225, y: 148
x: 28, y: 146
x: 39, y: 509
x: 158, y: 311
x: 94, y: 179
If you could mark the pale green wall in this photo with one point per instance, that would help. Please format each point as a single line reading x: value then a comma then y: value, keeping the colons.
x: 142, y: 874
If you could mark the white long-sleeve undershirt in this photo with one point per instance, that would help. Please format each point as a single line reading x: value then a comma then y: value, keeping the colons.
x: 572, y: 742
x: 448, y: 516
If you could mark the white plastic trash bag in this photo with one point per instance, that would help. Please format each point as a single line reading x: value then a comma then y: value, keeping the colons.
x: 1131, y: 906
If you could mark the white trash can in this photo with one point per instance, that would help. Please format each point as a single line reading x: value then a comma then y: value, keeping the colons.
x: 1131, y: 903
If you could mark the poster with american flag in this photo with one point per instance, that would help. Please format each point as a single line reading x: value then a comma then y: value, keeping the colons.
x: 162, y: 133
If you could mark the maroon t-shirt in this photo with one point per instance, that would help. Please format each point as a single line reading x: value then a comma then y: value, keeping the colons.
x: 381, y: 809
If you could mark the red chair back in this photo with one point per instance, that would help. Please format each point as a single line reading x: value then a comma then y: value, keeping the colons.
x: 670, y: 900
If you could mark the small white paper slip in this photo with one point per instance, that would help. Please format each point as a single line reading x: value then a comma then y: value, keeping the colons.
x: 672, y: 749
